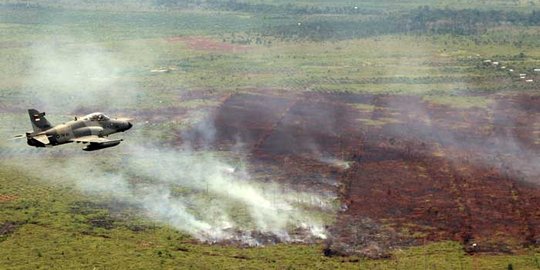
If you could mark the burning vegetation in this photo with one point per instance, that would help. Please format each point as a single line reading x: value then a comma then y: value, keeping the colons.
x: 406, y: 171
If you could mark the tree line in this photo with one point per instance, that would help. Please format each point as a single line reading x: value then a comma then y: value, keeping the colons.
x: 261, y: 8
x: 423, y: 20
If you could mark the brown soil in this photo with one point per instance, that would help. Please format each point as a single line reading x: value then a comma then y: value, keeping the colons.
x: 416, y: 171
x: 207, y: 44
x: 7, y: 198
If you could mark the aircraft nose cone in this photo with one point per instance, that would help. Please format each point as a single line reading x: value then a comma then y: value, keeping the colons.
x: 129, y: 125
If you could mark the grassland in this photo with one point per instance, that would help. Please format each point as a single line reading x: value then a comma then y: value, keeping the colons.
x: 55, y: 226
x: 48, y: 223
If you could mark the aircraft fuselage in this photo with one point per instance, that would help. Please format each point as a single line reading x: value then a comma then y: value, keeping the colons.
x: 88, y: 129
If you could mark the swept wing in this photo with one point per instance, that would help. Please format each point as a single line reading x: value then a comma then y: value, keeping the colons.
x: 96, y: 142
x: 93, y: 139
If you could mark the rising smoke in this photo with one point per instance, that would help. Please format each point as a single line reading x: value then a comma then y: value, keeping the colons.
x: 69, y: 75
x: 198, y: 192
x: 498, y: 147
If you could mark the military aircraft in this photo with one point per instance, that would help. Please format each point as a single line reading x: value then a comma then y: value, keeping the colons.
x: 90, y: 129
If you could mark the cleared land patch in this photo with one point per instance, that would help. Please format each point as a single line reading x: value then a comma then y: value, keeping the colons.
x: 7, y: 197
x: 433, y: 172
x: 207, y: 44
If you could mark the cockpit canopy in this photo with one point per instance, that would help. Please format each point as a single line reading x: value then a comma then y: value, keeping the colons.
x: 96, y: 117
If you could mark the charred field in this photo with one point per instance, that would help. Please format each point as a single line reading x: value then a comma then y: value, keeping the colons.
x: 463, y: 174
x: 274, y: 135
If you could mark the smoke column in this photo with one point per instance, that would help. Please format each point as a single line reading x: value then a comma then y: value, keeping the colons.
x: 200, y: 193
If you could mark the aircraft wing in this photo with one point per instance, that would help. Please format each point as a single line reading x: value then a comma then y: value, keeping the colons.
x: 96, y: 142
x: 93, y: 139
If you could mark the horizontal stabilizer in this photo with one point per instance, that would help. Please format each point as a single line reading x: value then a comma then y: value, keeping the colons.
x: 42, y: 139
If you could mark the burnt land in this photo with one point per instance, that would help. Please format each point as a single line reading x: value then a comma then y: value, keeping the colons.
x: 406, y: 171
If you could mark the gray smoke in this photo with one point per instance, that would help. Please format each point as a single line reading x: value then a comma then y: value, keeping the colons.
x: 496, y: 149
x: 70, y: 75
x: 202, y: 193
x: 198, y: 193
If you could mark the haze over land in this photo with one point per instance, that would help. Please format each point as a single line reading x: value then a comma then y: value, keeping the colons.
x: 358, y: 129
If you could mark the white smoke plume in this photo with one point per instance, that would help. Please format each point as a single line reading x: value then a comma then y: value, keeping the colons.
x: 269, y: 208
x: 200, y: 193
x: 69, y: 75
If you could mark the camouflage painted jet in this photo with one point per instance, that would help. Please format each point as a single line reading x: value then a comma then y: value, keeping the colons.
x: 90, y: 129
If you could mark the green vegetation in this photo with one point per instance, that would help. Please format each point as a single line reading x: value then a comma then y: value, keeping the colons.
x: 59, y: 227
x: 242, y: 50
x: 428, y: 48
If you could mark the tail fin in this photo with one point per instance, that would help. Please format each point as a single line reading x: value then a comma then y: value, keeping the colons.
x: 39, y: 123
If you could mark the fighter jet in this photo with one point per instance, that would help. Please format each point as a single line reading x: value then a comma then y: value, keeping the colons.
x: 91, y: 129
